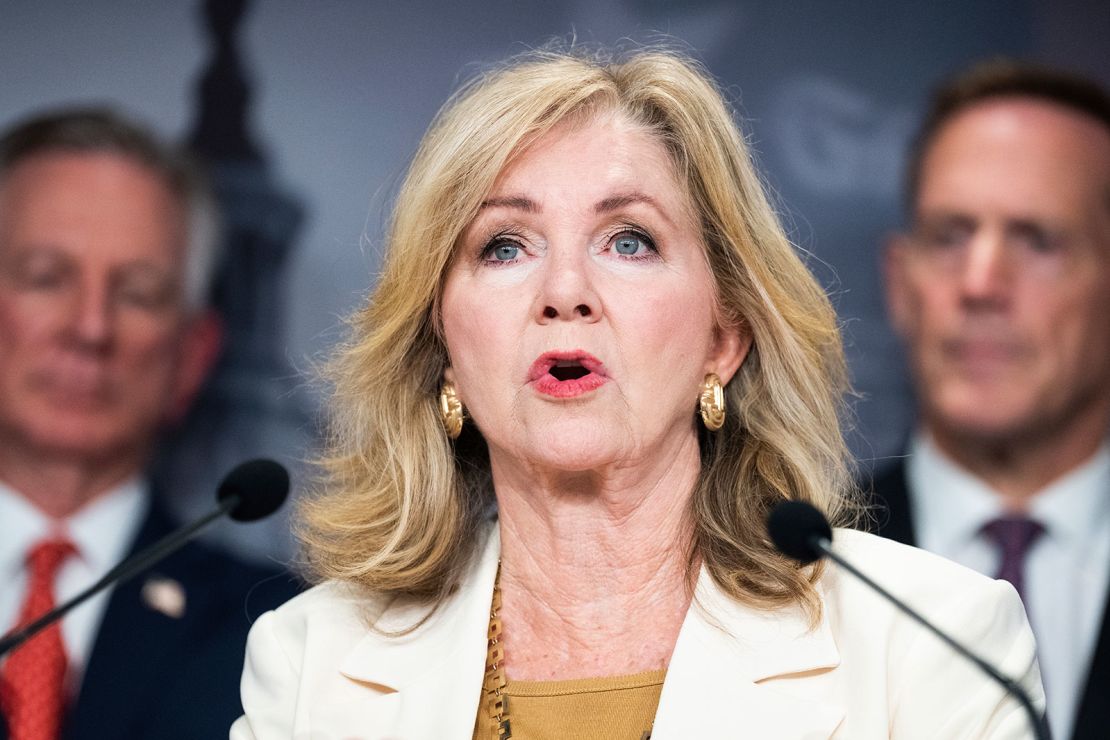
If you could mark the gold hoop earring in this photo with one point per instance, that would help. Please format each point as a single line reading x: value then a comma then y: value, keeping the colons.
x: 711, y: 402
x: 450, y: 410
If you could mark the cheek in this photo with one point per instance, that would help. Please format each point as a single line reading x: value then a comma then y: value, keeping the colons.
x: 148, y: 346
x: 1077, y: 328
x: 680, y: 326
x: 477, y: 339
x: 469, y: 342
x: 926, y: 306
x: 26, y: 322
x: 672, y: 335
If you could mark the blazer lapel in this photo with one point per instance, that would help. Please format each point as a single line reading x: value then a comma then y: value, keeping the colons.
x: 723, y: 677
x: 427, y: 683
x: 113, y: 679
x: 169, y: 650
x: 722, y: 680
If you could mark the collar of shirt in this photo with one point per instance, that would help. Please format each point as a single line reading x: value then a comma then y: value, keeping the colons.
x: 102, y: 532
x: 95, y: 529
x: 1074, y: 508
x: 953, y: 505
x: 21, y: 525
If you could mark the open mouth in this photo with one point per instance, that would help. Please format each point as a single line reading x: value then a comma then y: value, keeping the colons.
x: 566, y: 374
x: 568, y: 370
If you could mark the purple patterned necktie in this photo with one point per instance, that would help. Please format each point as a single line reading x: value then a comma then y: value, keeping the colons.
x: 1013, y: 535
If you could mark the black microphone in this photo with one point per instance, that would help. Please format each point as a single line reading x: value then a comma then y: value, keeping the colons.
x: 801, y: 532
x: 252, y: 491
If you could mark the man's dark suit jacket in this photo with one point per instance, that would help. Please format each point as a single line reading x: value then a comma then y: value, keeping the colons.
x: 151, y: 676
x: 891, y: 498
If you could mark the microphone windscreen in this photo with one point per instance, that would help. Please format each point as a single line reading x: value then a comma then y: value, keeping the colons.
x: 793, y: 525
x: 260, y: 487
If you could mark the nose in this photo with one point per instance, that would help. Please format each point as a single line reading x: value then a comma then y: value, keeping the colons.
x: 987, y: 272
x: 92, y: 320
x: 567, y: 291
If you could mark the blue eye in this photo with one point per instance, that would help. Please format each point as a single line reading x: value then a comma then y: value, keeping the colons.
x: 632, y: 244
x: 501, y: 252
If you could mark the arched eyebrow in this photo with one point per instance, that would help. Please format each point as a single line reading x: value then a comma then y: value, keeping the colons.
x: 604, y: 206
x: 516, y: 202
x: 616, y: 202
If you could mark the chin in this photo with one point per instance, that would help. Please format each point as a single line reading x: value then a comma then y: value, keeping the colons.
x: 77, y: 435
x: 981, y: 402
x: 577, y: 447
x: 988, y: 423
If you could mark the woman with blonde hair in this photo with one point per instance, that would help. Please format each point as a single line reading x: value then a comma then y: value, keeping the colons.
x: 591, y: 366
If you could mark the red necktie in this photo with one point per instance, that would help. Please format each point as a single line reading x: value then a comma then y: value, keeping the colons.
x: 32, y: 683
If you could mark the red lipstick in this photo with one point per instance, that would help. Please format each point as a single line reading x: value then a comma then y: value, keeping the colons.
x: 567, y: 374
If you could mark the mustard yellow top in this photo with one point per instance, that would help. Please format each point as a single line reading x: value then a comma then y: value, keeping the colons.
x: 610, y: 708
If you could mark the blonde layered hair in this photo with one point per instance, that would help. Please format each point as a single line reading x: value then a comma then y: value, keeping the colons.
x: 402, y: 510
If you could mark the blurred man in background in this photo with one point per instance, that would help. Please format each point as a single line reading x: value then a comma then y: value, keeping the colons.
x: 1001, y: 292
x: 107, y: 248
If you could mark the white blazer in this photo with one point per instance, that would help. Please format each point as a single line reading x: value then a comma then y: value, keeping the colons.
x: 316, y: 671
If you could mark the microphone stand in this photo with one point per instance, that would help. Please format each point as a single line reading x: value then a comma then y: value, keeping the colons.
x: 1038, y: 721
x: 125, y: 570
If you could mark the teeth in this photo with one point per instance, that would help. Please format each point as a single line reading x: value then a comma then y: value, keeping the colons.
x: 567, y: 363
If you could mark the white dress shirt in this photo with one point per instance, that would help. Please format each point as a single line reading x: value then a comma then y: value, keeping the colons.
x: 101, y: 532
x: 1067, y: 570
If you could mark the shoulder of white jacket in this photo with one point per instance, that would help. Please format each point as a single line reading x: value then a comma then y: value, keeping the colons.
x: 910, y: 571
x: 333, y: 601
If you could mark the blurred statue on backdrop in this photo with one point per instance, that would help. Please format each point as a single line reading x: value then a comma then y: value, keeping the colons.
x: 253, y: 404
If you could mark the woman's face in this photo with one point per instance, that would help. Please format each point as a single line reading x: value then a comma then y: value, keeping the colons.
x: 578, y: 311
